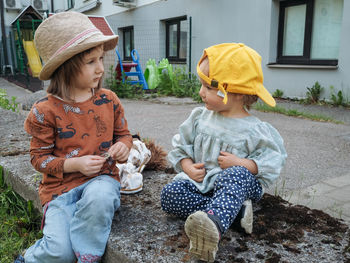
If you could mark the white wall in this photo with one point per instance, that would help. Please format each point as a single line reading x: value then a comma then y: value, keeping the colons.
x: 253, y: 22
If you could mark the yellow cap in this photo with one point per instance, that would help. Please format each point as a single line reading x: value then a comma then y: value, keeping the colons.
x: 236, y: 68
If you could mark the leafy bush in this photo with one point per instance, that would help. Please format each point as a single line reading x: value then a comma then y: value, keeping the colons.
x: 8, y: 104
x: 337, y: 99
x: 184, y: 85
x: 313, y: 94
x: 278, y: 93
x: 123, y: 90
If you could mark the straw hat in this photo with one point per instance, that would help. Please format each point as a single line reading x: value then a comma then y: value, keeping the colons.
x: 64, y: 35
x: 236, y: 68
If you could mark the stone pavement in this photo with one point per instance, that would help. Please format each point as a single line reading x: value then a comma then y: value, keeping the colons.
x: 317, y: 173
x: 331, y: 196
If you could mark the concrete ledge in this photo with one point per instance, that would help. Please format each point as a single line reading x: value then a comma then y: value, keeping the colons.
x: 142, y: 232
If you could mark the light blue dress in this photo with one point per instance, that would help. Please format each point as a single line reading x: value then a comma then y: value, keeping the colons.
x: 205, y: 133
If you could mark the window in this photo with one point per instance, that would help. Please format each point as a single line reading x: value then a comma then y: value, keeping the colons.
x: 70, y: 4
x: 128, y: 42
x: 176, y: 39
x: 309, y: 32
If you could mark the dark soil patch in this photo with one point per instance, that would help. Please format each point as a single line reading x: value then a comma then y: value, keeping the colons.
x: 285, y: 229
x: 282, y: 233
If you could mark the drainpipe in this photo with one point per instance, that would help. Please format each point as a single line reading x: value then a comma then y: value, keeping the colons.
x: 190, y: 47
x: 52, y: 6
x: 3, y: 32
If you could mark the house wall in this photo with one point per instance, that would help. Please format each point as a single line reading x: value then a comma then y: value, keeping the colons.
x: 253, y: 22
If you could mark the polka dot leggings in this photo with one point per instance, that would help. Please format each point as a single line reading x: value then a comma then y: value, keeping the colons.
x: 232, y: 187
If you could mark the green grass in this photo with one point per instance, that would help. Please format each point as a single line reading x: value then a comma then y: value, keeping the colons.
x: 294, y: 113
x: 19, y: 222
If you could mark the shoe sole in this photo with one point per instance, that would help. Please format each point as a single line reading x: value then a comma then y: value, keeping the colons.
x: 203, y: 235
x: 247, y: 218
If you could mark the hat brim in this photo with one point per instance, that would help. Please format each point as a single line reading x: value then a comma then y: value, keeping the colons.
x: 265, y: 96
x: 48, y: 69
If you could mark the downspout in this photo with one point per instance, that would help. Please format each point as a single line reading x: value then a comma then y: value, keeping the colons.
x: 52, y: 6
x: 190, y: 47
x: 3, y: 32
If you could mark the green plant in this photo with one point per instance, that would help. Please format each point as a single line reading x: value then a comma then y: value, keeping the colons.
x: 123, y: 90
x: 293, y: 112
x: 8, y: 104
x: 278, y: 93
x: 185, y: 84
x: 313, y: 94
x: 337, y: 99
x: 19, y: 222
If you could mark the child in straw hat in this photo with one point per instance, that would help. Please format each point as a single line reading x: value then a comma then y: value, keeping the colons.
x: 223, y: 154
x: 78, y: 132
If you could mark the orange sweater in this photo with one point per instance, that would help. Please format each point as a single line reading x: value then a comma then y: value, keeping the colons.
x: 62, y: 130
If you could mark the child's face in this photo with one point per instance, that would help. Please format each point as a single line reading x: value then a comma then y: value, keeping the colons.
x: 211, y: 98
x: 209, y: 94
x: 91, y: 70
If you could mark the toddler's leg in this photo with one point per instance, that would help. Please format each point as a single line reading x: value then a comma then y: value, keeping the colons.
x: 91, y: 224
x: 55, y: 246
x: 232, y: 187
x: 182, y: 198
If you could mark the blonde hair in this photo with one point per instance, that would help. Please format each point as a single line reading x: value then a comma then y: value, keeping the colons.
x: 62, y: 80
x: 248, y: 100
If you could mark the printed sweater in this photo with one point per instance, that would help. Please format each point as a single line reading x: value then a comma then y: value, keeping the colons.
x: 62, y: 130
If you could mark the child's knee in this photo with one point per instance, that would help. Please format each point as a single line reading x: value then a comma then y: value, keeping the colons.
x: 102, y: 202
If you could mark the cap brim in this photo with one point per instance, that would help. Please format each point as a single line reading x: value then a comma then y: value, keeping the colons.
x: 265, y: 96
x: 48, y: 68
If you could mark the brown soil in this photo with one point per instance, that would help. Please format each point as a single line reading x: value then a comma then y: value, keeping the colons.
x: 283, y: 229
x: 282, y: 232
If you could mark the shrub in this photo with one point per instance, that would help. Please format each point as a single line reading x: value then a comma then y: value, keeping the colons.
x: 313, y: 94
x: 123, y: 90
x: 337, y: 99
x: 185, y: 84
x: 8, y: 104
x: 278, y: 93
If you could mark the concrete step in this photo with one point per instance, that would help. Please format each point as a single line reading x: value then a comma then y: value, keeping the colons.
x: 142, y: 232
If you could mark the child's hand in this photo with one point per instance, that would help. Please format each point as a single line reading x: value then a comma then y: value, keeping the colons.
x: 227, y: 160
x: 195, y: 171
x: 89, y: 164
x: 119, y: 152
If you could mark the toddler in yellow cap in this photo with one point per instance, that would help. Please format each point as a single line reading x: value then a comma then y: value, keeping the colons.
x: 224, y: 156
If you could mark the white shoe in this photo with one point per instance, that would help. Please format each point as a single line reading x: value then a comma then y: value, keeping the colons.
x: 247, y: 216
x: 204, y: 236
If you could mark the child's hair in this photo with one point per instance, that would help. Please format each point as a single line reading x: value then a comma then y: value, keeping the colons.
x: 248, y: 100
x: 64, y: 76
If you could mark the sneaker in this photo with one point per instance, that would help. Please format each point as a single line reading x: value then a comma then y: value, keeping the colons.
x: 204, y: 236
x: 247, y: 216
x: 19, y: 259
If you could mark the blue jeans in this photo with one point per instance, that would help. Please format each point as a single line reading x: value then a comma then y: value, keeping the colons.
x: 78, y: 223
x: 232, y: 187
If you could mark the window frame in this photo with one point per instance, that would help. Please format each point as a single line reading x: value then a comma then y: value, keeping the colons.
x: 305, y: 58
x: 125, y: 30
x: 168, y: 23
x: 70, y: 4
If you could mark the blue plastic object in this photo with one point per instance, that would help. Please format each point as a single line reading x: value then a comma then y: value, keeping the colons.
x: 126, y: 70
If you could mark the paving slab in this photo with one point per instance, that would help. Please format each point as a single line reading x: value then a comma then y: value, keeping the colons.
x: 331, y: 196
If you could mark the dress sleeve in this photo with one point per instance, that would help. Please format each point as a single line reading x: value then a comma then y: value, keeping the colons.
x: 183, y: 141
x: 39, y: 125
x: 268, y: 152
x: 121, y: 131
